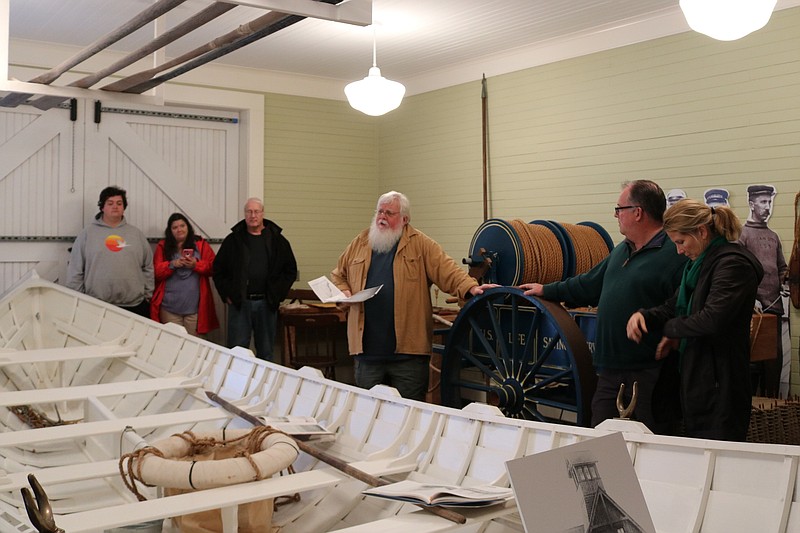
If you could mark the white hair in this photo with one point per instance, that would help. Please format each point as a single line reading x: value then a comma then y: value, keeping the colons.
x: 402, y: 199
x: 254, y: 199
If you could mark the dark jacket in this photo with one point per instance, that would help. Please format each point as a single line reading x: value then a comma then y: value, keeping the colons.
x: 620, y: 284
x: 231, y: 265
x: 715, y: 366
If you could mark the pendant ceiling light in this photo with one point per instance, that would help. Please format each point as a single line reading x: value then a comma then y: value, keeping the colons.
x: 727, y: 20
x: 374, y: 95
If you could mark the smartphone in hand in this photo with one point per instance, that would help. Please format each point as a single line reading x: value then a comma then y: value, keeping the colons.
x: 188, y: 253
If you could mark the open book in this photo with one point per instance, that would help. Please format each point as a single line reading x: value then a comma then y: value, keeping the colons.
x: 299, y: 427
x: 430, y: 494
x: 326, y: 291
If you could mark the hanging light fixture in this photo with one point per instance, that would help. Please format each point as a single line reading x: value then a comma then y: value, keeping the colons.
x: 727, y: 20
x: 374, y: 95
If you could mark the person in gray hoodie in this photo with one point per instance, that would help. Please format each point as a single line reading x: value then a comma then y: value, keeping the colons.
x: 111, y: 260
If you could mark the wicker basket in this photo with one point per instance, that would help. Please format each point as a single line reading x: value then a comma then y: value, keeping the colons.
x: 774, y: 421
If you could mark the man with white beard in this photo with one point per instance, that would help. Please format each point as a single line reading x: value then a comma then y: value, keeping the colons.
x: 391, y: 334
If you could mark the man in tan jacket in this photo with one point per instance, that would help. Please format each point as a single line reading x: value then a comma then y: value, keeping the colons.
x: 390, y: 335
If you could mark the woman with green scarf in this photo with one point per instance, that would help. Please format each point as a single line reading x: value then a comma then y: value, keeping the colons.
x: 708, y: 320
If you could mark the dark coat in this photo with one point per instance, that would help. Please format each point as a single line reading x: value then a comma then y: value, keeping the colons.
x: 715, y: 366
x: 231, y: 265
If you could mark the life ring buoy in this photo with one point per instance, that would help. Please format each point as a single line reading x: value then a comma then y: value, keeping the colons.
x: 169, y: 467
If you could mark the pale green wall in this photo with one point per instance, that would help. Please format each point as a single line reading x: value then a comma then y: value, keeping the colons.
x: 430, y: 149
x: 321, y: 175
x: 684, y: 110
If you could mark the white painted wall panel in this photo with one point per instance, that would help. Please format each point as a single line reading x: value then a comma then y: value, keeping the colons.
x: 36, y: 174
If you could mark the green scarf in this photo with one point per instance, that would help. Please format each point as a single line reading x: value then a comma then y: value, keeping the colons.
x: 689, y: 281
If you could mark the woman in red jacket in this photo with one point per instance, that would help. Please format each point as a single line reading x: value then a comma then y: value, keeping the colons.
x: 183, y: 264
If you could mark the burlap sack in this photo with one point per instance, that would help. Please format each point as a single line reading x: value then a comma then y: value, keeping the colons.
x: 254, y: 517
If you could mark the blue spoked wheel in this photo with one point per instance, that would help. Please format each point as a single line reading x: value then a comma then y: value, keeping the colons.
x: 525, y: 355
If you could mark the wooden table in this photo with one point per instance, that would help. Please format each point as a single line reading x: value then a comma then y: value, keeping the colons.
x: 310, y: 309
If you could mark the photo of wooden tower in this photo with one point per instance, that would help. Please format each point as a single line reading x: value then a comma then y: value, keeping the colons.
x: 603, y: 514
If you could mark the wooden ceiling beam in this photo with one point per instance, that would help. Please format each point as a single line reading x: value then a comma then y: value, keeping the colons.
x: 357, y: 12
x: 146, y: 16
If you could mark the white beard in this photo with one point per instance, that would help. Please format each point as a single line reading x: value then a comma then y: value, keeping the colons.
x: 382, y: 240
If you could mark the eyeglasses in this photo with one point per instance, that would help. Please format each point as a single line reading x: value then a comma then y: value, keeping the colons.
x: 253, y: 212
x: 619, y: 208
x: 387, y: 214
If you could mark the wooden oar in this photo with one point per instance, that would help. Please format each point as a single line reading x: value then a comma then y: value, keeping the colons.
x: 334, y: 462
x: 125, y: 84
x: 148, y: 15
x: 192, y: 23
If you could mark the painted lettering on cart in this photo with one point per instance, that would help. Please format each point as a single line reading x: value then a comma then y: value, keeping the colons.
x: 520, y: 338
x: 488, y: 334
x: 561, y: 346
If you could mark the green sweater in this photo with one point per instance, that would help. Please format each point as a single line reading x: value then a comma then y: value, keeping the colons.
x: 620, y: 285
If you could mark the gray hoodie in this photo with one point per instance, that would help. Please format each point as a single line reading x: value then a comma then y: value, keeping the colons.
x: 112, y: 264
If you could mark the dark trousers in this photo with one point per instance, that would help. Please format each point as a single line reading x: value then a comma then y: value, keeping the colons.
x: 408, y: 376
x: 254, y: 319
x: 141, y: 309
x: 766, y: 380
x: 604, y: 402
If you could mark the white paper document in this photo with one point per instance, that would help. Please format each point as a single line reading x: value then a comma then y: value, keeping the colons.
x: 299, y: 427
x: 326, y: 291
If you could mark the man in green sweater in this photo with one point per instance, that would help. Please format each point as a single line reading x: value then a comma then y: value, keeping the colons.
x: 642, y: 271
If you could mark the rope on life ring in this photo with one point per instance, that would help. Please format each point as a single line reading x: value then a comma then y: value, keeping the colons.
x: 168, y: 463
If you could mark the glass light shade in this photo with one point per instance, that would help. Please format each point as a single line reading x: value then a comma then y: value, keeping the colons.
x: 727, y: 20
x: 374, y: 95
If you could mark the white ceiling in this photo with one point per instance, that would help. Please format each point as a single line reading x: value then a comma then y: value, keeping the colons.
x: 428, y: 43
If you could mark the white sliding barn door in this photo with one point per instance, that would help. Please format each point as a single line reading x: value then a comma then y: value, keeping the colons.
x: 179, y: 162
x: 52, y: 170
x: 39, y: 191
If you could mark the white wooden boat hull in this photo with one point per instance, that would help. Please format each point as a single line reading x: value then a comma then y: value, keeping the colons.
x: 130, y: 381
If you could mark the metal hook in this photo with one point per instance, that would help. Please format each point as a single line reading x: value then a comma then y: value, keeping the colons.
x: 40, y: 513
x: 625, y: 412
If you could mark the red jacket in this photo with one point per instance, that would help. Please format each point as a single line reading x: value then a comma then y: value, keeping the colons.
x: 206, y: 314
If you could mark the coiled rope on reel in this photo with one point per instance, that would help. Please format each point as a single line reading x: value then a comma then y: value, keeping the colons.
x: 541, y: 251
x: 589, y: 245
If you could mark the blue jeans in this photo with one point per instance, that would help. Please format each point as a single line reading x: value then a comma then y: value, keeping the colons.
x: 256, y: 318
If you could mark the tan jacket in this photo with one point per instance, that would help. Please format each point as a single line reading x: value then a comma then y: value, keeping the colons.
x: 419, y: 261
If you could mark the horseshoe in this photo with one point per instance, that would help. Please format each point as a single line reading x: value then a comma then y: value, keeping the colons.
x: 40, y: 512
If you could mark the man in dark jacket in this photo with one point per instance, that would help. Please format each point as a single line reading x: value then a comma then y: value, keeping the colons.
x: 253, y: 272
x: 642, y: 271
